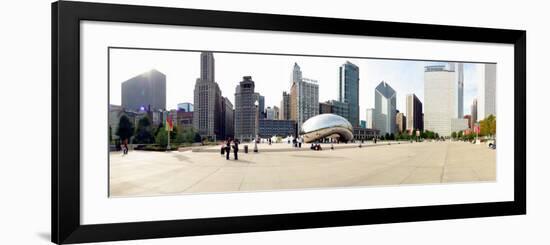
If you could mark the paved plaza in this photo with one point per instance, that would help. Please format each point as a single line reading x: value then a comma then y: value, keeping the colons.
x: 279, y: 166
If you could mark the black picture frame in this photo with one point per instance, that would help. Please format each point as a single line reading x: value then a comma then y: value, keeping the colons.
x: 65, y: 161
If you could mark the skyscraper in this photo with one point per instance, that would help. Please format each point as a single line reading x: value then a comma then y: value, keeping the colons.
x: 458, y: 68
x: 186, y: 106
x: 400, y: 122
x: 304, y: 97
x: 473, y: 111
x: 370, y: 118
x: 349, y: 90
x: 261, y: 106
x: 227, y: 119
x: 246, y: 110
x: 207, y: 67
x: 414, y: 113
x: 145, y: 91
x: 207, y: 101
x: 441, y: 95
x: 385, y: 108
x: 486, y: 91
x: 285, y: 107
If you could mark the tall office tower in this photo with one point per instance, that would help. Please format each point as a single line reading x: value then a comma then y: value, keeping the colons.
x: 285, y: 107
x: 261, y: 106
x: 270, y: 113
x: 340, y: 108
x: 414, y: 113
x: 207, y: 101
x: 246, y: 110
x: 400, y: 122
x: 325, y: 107
x: 227, y: 119
x: 385, y: 108
x: 370, y: 118
x: 349, y: 90
x: 304, y: 97
x: 486, y: 91
x: 207, y: 67
x: 144, y: 91
x: 458, y: 69
x: 186, y: 107
x: 470, y: 122
x: 276, y: 112
x: 473, y: 111
x: 441, y: 100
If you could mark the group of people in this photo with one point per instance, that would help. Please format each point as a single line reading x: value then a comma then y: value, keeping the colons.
x: 316, y: 147
x: 226, y: 148
x: 297, y: 142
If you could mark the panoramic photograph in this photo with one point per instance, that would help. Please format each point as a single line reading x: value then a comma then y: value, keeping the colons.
x: 198, y: 121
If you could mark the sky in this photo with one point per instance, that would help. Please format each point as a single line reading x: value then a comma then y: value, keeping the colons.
x: 272, y: 75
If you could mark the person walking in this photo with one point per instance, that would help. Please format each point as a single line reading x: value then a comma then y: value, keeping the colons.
x: 235, y: 150
x: 125, y: 147
x: 300, y: 142
x: 227, y: 148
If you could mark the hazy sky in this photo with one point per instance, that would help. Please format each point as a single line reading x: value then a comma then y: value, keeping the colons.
x: 272, y: 73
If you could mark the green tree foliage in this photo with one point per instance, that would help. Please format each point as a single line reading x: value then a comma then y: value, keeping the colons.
x: 125, y: 128
x: 187, y: 135
x: 488, y: 126
x: 453, y: 135
x: 144, y: 131
x: 162, y: 137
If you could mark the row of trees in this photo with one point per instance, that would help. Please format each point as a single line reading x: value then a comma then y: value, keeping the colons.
x: 427, y: 134
x: 146, y: 133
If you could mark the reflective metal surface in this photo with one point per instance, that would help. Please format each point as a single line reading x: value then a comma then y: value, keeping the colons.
x: 325, y: 125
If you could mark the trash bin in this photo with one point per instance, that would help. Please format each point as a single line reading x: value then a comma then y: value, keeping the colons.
x: 245, y: 148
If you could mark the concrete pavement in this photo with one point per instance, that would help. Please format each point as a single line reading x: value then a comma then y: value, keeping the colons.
x: 143, y: 173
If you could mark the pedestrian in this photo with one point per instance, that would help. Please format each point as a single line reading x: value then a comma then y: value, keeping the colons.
x: 235, y: 150
x: 125, y: 148
x: 227, y: 148
x: 300, y: 142
x: 294, y: 142
x: 222, y: 150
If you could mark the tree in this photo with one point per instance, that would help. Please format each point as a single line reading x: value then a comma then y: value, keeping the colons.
x: 453, y: 135
x: 125, y: 128
x: 144, y: 132
x: 162, y: 137
x: 488, y: 126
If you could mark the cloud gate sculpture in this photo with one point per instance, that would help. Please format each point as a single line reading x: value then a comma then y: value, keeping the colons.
x: 326, y: 125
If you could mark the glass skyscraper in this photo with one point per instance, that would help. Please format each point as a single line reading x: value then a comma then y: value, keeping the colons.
x: 349, y: 90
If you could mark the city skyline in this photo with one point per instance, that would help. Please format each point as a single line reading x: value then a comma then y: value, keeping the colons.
x: 272, y: 74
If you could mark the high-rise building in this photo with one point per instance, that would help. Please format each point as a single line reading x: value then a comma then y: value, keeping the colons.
x: 261, y: 106
x: 270, y: 113
x: 349, y: 90
x: 186, y: 106
x: 207, y: 101
x: 363, y: 124
x: 227, y: 119
x: 285, y: 107
x: 458, y: 69
x: 207, y: 67
x: 473, y: 111
x: 470, y: 122
x: 370, y: 118
x: 400, y: 122
x: 325, y: 107
x: 146, y: 91
x: 486, y: 91
x: 336, y: 107
x: 304, y: 97
x: 246, y: 110
x: 385, y: 108
x: 441, y: 97
x: 414, y: 113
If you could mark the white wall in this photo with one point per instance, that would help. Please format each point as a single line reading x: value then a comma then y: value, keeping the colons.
x: 25, y: 161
